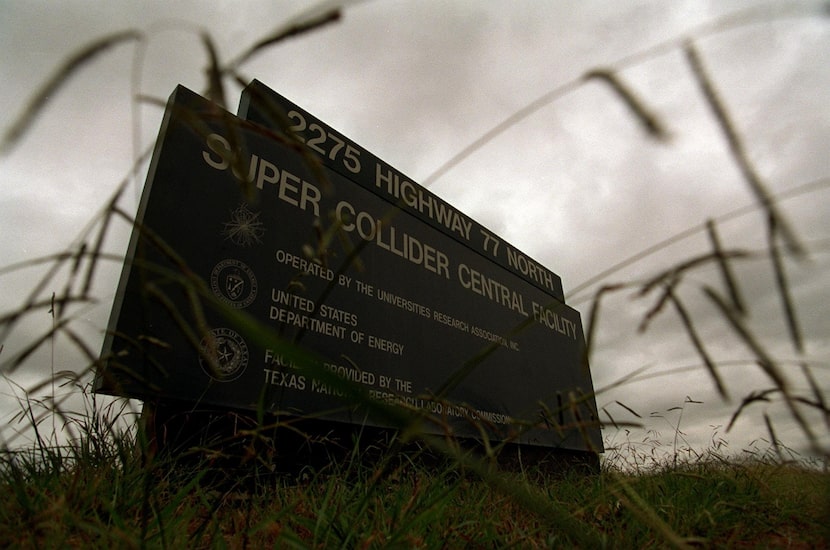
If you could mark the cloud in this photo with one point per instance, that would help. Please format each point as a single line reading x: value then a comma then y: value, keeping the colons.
x: 578, y: 184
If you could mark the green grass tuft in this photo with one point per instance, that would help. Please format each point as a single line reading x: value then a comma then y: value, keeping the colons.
x: 100, y: 490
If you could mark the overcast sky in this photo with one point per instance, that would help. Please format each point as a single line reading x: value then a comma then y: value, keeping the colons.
x: 577, y: 183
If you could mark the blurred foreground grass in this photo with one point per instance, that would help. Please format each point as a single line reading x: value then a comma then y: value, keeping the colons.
x: 102, y: 491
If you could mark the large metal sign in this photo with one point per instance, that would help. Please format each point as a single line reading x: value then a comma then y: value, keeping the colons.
x: 290, y: 226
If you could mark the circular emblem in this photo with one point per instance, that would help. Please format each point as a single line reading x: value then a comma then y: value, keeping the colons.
x: 224, y: 354
x: 234, y: 283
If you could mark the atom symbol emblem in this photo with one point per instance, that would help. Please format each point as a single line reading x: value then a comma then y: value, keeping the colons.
x: 245, y: 227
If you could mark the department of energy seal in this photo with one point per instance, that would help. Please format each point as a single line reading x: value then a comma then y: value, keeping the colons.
x: 234, y: 283
x: 228, y: 354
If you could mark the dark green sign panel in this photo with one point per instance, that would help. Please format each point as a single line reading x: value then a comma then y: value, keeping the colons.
x: 303, y: 232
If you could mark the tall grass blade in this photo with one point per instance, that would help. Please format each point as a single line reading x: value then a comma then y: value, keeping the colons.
x: 818, y: 394
x: 686, y: 319
x: 95, y: 254
x: 671, y: 281
x: 77, y: 257
x: 593, y: 315
x: 611, y: 418
x: 216, y: 85
x: 734, y: 20
x: 14, y: 363
x: 292, y: 30
x: 783, y: 287
x: 500, y: 128
x: 795, y: 191
x: 629, y: 409
x: 764, y: 360
x: 773, y: 438
x: 737, y: 148
x: 672, y: 274
x: 647, y: 119
x: 51, y: 86
x: 725, y: 268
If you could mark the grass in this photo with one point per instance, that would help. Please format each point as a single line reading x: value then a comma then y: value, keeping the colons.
x: 100, y: 490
